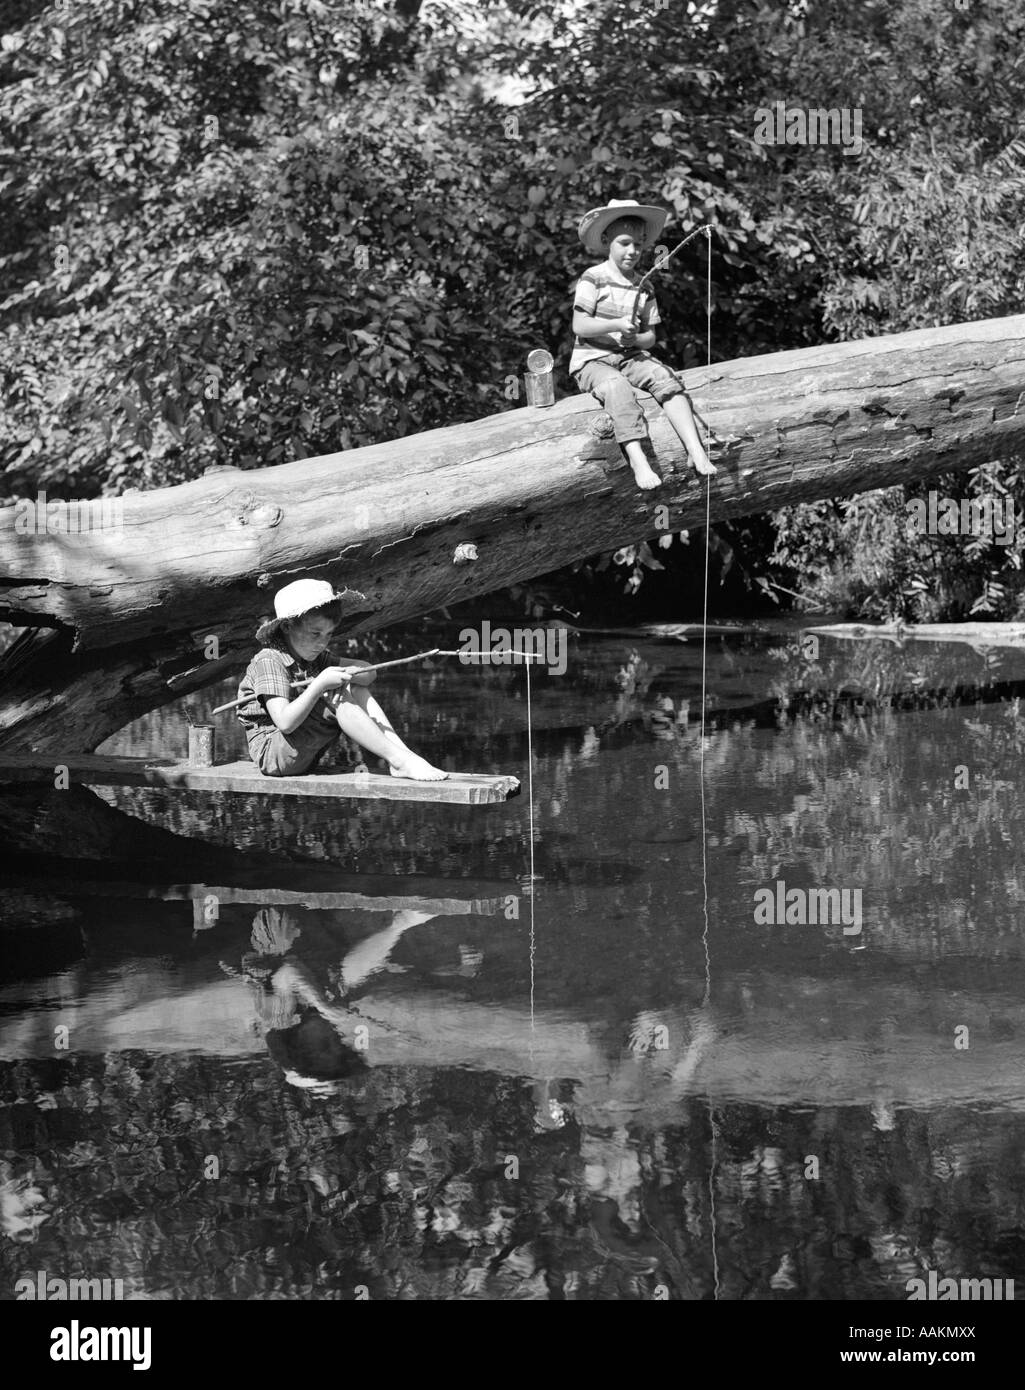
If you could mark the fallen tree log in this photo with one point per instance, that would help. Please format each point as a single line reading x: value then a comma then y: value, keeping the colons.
x: 980, y: 636
x: 165, y: 601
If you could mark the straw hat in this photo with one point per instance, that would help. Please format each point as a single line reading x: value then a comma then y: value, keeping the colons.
x: 295, y: 599
x: 593, y: 223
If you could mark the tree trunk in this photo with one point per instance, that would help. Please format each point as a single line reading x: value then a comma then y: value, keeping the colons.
x: 163, y: 600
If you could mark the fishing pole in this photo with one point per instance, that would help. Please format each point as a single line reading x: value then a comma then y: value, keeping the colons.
x: 660, y: 264
x: 398, y: 661
x: 716, y: 442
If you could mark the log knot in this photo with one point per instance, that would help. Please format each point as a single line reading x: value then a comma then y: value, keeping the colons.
x: 264, y: 516
x: 256, y: 512
x: 599, y: 447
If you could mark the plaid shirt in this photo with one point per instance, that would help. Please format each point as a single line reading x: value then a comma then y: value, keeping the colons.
x: 271, y: 673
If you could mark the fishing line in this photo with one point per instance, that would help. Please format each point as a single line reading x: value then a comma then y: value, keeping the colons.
x: 662, y: 262
x: 530, y: 815
x: 701, y: 1038
x: 704, y: 635
x: 701, y: 768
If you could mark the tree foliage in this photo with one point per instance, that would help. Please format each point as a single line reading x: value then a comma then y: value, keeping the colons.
x: 261, y: 232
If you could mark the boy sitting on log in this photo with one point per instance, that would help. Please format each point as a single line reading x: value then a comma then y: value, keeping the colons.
x: 610, y: 351
x: 288, y: 729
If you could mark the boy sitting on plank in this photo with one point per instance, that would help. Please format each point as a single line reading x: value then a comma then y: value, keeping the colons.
x: 610, y: 355
x: 289, y: 731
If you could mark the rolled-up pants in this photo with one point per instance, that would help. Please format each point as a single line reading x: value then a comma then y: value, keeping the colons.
x: 611, y: 379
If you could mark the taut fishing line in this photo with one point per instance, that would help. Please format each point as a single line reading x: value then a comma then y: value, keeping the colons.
x: 701, y: 1031
x: 701, y: 766
x: 530, y: 817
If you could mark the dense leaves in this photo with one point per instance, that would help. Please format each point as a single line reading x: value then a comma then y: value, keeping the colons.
x: 255, y: 233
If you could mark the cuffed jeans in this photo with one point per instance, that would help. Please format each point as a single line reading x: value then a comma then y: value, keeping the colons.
x: 612, y: 378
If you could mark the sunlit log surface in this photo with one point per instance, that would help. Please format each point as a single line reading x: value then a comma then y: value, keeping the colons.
x: 970, y: 634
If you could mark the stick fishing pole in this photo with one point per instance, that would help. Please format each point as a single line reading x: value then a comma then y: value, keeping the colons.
x: 398, y: 661
x: 660, y: 264
x: 715, y: 442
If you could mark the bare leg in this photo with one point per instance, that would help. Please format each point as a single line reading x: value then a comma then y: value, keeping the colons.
x: 363, y: 720
x: 703, y: 1036
x: 680, y: 416
x: 293, y: 982
x: 644, y: 475
x: 370, y: 955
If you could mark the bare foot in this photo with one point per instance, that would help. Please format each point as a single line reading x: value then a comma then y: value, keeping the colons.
x: 645, y: 477
x: 704, y: 467
x: 416, y: 769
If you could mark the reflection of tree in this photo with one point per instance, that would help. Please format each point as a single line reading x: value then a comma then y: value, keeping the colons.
x: 400, y: 1180
x: 399, y: 1184
x: 654, y: 693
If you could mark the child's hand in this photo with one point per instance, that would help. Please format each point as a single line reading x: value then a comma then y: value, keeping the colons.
x: 332, y: 677
x: 628, y: 337
x: 358, y: 675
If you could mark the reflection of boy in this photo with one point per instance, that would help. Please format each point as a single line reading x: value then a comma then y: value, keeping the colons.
x: 610, y: 356
x: 302, y: 1024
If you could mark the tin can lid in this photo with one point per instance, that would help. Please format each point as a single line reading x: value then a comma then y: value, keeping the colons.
x: 540, y: 360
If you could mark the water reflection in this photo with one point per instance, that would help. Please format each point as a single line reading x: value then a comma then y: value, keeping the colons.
x: 420, y: 1087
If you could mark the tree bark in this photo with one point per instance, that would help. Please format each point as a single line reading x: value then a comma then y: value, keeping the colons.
x: 166, y: 602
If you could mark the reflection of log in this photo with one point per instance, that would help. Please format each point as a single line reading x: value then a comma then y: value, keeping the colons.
x: 76, y: 834
x: 798, y: 1041
x: 102, y: 770
x: 134, y: 606
x: 443, y: 897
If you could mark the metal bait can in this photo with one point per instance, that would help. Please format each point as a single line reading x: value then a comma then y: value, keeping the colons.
x: 538, y: 379
x: 201, y: 745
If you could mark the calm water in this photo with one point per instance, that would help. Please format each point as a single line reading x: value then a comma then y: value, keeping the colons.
x: 256, y: 1047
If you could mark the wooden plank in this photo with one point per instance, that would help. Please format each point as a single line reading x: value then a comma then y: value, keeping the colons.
x: 397, y: 901
x: 95, y: 770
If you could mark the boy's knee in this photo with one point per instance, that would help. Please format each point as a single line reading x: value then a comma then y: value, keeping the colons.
x: 615, y: 393
x: 663, y: 384
x: 357, y: 696
x: 669, y: 391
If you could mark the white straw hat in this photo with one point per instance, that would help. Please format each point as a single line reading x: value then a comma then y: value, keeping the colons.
x: 295, y: 599
x: 593, y: 223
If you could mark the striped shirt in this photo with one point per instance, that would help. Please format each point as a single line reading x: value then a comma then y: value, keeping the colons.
x: 603, y: 292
